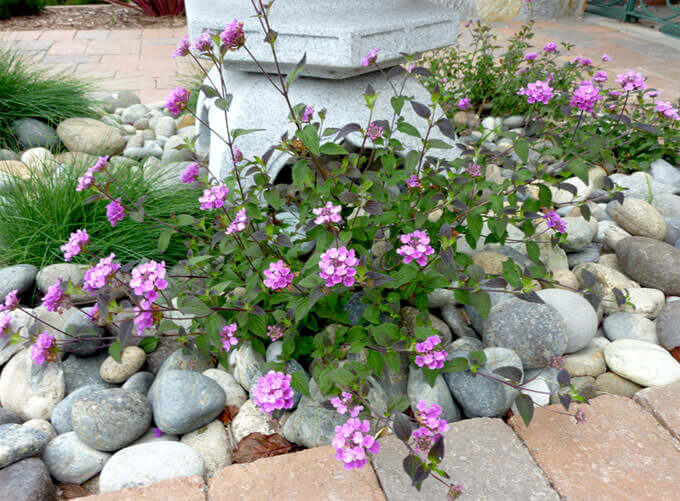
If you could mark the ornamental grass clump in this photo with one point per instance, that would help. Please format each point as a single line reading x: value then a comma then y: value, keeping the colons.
x: 382, y: 226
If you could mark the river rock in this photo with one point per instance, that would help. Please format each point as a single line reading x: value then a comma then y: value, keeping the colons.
x: 71, y: 461
x: 81, y: 327
x: 664, y: 172
x: 27, y: 480
x: 83, y: 371
x: 19, y: 276
x: 643, y: 363
x: 668, y: 325
x: 31, y: 391
x: 31, y: 133
x: 18, y: 442
x: 651, y: 262
x: 134, y: 112
x: 639, y: 218
x: 630, y: 326
x: 641, y: 185
x: 478, y: 395
x: 90, y: 136
x: 42, y: 425
x: 131, y: 360
x: 418, y: 389
x: 183, y: 401
x: 588, y: 361
x: 38, y: 159
x: 616, y: 385
x: 579, y: 234
x: 212, y: 443
x: 61, y: 416
x: 668, y: 205
x: 440, y: 297
x: 146, y: 464
x: 186, y: 358
x: 244, y: 364
x: 535, y: 332
x: 606, y: 280
x: 8, y: 417
x: 581, y: 328
x: 312, y: 425
x: 141, y: 382
x: 108, y: 420
x: 456, y: 321
x: 251, y: 419
x: 235, y: 394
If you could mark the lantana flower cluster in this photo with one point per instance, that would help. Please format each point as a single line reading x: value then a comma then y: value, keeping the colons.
x: 327, y: 214
x: 554, y: 221
x: 98, y: 275
x: 228, y: 336
x: 352, y: 441
x: 585, y: 97
x: 537, y: 92
x: 40, y: 350
x: 54, y: 297
x: 338, y: 265
x: 87, y: 180
x: 75, y: 245
x: 343, y: 404
x: 278, y: 276
x: 273, y: 392
x: 238, y: 224
x: 430, y: 353
x: 416, y: 247
x: 432, y: 426
x: 214, y: 197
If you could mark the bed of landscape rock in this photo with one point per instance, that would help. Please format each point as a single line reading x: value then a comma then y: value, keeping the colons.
x: 89, y: 420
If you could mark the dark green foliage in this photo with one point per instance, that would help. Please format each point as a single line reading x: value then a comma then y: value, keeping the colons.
x: 11, y: 8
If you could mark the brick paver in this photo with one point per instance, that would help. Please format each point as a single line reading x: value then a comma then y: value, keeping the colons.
x: 309, y: 475
x: 620, y: 452
x: 174, y: 489
x: 664, y: 404
x: 139, y: 60
x: 483, y: 455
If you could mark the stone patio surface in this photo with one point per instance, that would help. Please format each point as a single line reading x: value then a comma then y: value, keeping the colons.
x: 140, y: 60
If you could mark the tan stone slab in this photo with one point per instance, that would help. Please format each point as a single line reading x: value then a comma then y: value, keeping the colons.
x: 20, y: 35
x: 133, y: 34
x: 664, y: 404
x: 122, y: 46
x: 57, y: 35
x: 69, y: 47
x: 174, y: 489
x: 92, y: 34
x: 620, y: 452
x: 309, y: 475
x: 482, y: 455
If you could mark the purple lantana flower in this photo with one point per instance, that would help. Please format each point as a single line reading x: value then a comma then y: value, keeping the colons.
x: 273, y: 392
x: 370, y: 58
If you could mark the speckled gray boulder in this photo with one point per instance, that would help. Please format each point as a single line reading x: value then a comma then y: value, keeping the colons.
x: 581, y: 327
x: 80, y: 326
x: 61, y: 415
x: 19, y: 276
x: 668, y: 325
x: 418, y: 389
x: 312, y: 425
x: 639, y: 218
x: 186, y: 358
x: 624, y: 325
x: 83, y: 371
x: 454, y: 318
x: 536, y: 332
x: 478, y: 395
x: 31, y: 133
x: 108, y: 420
x: 18, y: 442
x: 579, y: 234
x: 183, y: 401
x: 69, y: 460
x: 244, y: 364
x: 26, y: 480
x: 8, y: 417
x: 140, y: 382
x: 651, y: 262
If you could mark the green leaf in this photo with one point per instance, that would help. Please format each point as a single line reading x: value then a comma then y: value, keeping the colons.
x: 438, y: 144
x: 372, y: 314
x: 115, y: 350
x: 478, y: 356
x: 580, y: 169
x: 257, y: 324
x: 374, y: 361
x: 203, y: 345
x: 191, y: 305
x: 398, y: 403
x: 458, y: 364
x: 525, y: 407
x: 300, y: 383
x: 292, y: 76
x: 301, y: 173
x: 533, y: 251
x: 342, y: 377
x: 409, y: 129
x: 544, y: 195
x: 185, y: 220
x: 149, y: 344
x: 310, y: 138
x: 521, y: 147
x: 243, y: 132
x: 164, y: 239
x: 482, y: 303
x: 397, y: 103
x: 332, y: 149
x: 392, y: 361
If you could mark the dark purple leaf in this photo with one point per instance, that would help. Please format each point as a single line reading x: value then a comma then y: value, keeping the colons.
x: 652, y: 129
x: 378, y: 279
x: 620, y: 297
x: 437, y: 450
x: 259, y: 235
x: 496, y: 283
x: 447, y: 128
x: 565, y: 400
x: 509, y: 372
x: 373, y: 207
x: 618, y: 196
x: 587, y: 278
x: 593, y: 300
x: 401, y: 424
x: 420, y: 109
x: 607, y: 183
x: 394, y: 71
x: 347, y: 197
x: 125, y: 332
x: 445, y: 230
x: 447, y: 256
x: 530, y: 296
x: 93, y: 198
x: 347, y: 129
x: 424, y: 72
x: 564, y: 378
x: 525, y: 407
x: 370, y: 91
x: 567, y: 187
x: 283, y: 240
x: 268, y: 154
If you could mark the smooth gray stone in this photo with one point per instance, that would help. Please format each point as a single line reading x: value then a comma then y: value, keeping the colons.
x: 108, y: 420
x: 668, y: 205
x: 111, y: 101
x: 186, y: 358
x: 590, y: 254
x: 183, y: 401
x: 146, y: 464
x: 8, y: 417
x: 668, y: 325
x: 18, y: 442
x: 81, y: 326
x: 639, y: 184
x: 664, y: 172
x: 480, y: 396
x: 19, y: 276
x: 312, y: 425
x: 536, y: 332
x: 71, y: 461
x: 83, y: 371
x: 134, y: 112
x: 581, y: 326
x: 7, y: 155
x: 474, y: 316
x: 650, y: 262
x: 31, y: 133
x: 418, y: 389
x: 61, y: 415
x: 141, y: 382
x: 244, y: 364
x: 624, y: 325
x: 454, y: 318
x: 579, y: 234
x: 26, y: 480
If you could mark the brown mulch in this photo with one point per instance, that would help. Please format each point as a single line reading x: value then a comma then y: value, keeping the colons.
x: 90, y: 17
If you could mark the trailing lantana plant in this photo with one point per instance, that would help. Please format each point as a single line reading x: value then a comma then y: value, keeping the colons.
x: 379, y: 227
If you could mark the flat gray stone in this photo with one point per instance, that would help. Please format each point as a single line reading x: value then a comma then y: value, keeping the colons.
x: 454, y: 318
x: 108, y: 420
x: 312, y: 425
x: 639, y: 184
x: 31, y: 133
x: 578, y: 315
x: 536, y: 332
x: 111, y: 101
x: 140, y: 382
x: 146, y: 464
x: 91, y: 136
x: 71, y: 461
x: 27, y: 480
x: 19, y: 276
x: 668, y: 205
x: 61, y: 415
x: 668, y: 325
x: 8, y: 417
x: 244, y: 364
x: 482, y: 455
x: 18, y: 442
x: 234, y: 392
x: 83, y: 371
x: 664, y: 172
x: 625, y: 325
x: 183, y: 401
x: 651, y: 262
x: 185, y: 358
x: 418, y: 389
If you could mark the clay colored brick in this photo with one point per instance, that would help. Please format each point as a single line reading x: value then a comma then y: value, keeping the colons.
x: 309, y: 475
x: 174, y: 489
x: 663, y: 404
x: 482, y: 454
x: 620, y: 452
